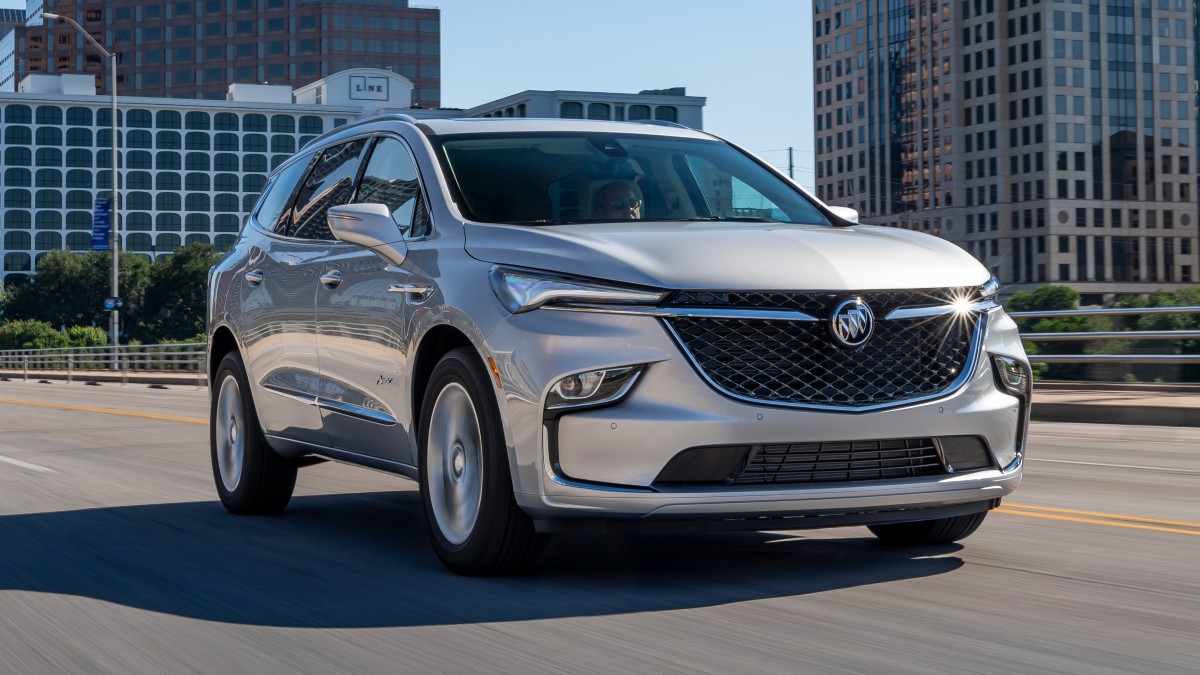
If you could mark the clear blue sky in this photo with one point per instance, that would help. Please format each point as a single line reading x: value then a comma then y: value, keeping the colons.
x: 752, y: 59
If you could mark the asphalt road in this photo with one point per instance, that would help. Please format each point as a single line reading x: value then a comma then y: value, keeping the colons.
x: 115, y: 557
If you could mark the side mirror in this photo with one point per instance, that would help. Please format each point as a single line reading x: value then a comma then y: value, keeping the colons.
x: 845, y: 213
x: 370, y: 226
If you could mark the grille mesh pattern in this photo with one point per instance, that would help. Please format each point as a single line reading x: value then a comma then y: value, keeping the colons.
x: 796, y: 362
x: 841, y: 462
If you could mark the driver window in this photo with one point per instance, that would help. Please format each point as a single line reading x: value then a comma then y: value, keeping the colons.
x: 391, y: 180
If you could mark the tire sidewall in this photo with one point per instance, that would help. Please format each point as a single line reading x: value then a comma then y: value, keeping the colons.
x: 459, y: 367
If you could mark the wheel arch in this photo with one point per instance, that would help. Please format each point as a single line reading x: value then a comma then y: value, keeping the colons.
x: 220, y: 344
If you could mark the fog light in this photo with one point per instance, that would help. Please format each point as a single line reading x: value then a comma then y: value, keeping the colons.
x: 1014, y: 378
x: 592, y: 388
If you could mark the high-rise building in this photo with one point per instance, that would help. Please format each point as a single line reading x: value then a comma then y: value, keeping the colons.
x: 195, y: 49
x: 1054, y: 140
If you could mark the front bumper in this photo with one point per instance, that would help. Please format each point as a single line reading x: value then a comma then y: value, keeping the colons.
x: 601, y: 464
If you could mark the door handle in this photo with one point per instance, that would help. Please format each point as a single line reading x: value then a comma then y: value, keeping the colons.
x: 255, y: 278
x: 331, y: 279
x: 415, y: 291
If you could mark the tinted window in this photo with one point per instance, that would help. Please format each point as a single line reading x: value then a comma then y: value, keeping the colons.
x: 329, y: 184
x: 546, y: 179
x: 391, y: 179
x: 275, y: 198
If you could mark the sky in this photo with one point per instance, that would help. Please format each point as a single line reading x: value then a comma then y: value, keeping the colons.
x: 752, y: 59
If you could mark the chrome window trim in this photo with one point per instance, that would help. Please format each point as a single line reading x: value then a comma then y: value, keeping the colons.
x: 963, y: 377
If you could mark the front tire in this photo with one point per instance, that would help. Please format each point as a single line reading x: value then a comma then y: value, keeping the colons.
x: 928, y: 532
x: 466, y: 487
x: 251, y: 478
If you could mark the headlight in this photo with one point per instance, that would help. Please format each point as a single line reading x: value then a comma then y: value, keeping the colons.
x: 990, y: 289
x: 592, y: 388
x: 526, y: 290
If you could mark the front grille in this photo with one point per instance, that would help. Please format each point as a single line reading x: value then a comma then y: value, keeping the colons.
x: 797, y: 363
x: 841, y: 462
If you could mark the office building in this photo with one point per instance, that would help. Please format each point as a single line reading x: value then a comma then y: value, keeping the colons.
x: 1056, y: 140
x: 192, y: 169
x: 194, y: 49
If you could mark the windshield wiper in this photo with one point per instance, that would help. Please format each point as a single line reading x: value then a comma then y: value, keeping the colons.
x: 543, y: 222
x: 723, y: 219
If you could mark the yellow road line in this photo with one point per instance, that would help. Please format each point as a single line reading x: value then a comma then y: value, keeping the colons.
x: 1095, y: 521
x: 1097, y: 514
x: 106, y: 411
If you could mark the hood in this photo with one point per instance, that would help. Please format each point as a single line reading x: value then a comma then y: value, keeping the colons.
x: 732, y: 256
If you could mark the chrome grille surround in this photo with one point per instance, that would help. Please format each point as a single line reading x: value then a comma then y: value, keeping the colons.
x: 795, y: 363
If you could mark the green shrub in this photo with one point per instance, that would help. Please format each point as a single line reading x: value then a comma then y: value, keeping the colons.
x: 30, y: 334
x: 87, y: 336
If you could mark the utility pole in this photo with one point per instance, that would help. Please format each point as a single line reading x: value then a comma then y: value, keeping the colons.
x: 791, y: 166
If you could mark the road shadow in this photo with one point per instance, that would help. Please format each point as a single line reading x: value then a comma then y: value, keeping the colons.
x: 363, y: 560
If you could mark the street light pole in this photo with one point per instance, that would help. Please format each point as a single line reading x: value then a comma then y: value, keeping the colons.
x: 115, y: 230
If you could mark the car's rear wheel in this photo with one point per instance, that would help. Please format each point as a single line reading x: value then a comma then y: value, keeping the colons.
x: 251, y: 478
x: 928, y: 532
x: 475, y: 523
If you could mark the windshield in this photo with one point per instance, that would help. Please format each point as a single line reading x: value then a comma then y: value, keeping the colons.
x: 556, y: 178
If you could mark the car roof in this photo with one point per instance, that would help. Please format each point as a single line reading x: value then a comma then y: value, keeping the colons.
x: 492, y: 125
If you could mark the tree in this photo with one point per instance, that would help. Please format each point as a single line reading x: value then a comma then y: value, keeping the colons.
x: 177, y: 297
x: 69, y: 289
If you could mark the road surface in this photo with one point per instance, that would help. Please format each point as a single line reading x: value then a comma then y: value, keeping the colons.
x: 117, y: 558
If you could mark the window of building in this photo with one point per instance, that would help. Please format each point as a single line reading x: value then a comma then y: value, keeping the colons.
x: 138, y: 180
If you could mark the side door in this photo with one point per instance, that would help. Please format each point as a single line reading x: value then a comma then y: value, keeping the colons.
x: 362, y: 339
x: 277, y: 321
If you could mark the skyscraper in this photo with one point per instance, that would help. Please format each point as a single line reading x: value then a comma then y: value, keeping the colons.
x: 195, y: 49
x: 1054, y: 140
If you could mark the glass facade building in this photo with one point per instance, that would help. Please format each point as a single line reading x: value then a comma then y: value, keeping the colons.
x: 194, y: 49
x: 1056, y: 140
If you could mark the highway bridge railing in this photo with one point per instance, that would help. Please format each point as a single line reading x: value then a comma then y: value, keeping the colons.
x: 1090, y: 336
x: 185, y: 360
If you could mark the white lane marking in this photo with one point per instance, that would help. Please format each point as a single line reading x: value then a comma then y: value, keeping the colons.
x: 1114, y: 466
x: 25, y: 465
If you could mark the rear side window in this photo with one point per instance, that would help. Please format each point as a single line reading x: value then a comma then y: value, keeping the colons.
x: 274, y: 202
x: 391, y: 180
x: 329, y: 184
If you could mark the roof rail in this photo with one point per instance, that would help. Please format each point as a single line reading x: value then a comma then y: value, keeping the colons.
x: 663, y: 123
x: 386, y: 117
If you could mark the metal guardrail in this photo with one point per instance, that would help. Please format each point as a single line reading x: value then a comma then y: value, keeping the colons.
x: 1112, y: 335
x: 126, y: 359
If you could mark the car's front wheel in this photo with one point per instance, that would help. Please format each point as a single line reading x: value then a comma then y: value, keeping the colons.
x: 476, y: 526
x: 251, y: 478
x: 928, y: 532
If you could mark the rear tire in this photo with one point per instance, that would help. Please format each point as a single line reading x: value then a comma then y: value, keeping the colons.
x: 251, y: 478
x: 928, y: 532
x: 466, y: 488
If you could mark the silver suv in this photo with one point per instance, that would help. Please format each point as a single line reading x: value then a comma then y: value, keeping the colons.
x: 562, y: 325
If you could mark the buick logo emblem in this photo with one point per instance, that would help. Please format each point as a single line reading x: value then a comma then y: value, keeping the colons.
x: 851, y: 323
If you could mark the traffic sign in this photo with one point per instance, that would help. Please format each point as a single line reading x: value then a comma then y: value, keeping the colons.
x: 100, y: 224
